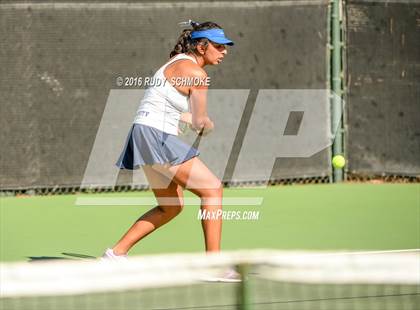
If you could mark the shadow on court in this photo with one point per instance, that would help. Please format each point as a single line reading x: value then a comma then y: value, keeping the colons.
x: 69, y: 256
x: 78, y: 255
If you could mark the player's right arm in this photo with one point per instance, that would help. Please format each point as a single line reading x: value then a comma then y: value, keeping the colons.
x: 198, y: 103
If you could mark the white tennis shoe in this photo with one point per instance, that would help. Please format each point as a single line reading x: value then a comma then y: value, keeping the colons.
x: 109, y: 255
x: 230, y: 276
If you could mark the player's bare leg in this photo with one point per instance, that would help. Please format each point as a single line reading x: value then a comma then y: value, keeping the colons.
x: 197, y: 178
x: 170, y: 200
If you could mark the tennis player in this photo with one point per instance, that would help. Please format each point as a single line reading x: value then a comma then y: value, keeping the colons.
x: 168, y: 163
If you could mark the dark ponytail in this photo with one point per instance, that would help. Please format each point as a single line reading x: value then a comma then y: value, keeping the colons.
x: 185, y: 43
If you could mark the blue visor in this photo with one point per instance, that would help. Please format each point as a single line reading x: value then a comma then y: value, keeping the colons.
x: 215, y: 35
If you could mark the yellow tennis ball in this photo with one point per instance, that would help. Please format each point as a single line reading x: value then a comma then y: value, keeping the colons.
x: 338, y: 161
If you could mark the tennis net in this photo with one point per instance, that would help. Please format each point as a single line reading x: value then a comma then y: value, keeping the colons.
x: 271, y: 280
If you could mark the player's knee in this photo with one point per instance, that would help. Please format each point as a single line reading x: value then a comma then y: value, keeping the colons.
x: 180, y: 206
x: 212, y: 196
x: 172, y: 210
x: 176, y: 209
x: 215, y: 187
x: 215, y: 190
x: 219, y: 190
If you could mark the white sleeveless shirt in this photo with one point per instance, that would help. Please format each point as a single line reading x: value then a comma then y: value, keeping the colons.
x: 162, y: 104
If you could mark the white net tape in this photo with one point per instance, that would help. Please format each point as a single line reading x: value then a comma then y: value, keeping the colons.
x: 90, y: 276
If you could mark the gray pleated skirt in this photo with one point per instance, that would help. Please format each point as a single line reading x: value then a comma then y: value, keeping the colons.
x: 146, y: 145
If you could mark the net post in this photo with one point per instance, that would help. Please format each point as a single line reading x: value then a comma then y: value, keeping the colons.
x: 336, y: 84
x: 328, y: 79
x: 244, y: 297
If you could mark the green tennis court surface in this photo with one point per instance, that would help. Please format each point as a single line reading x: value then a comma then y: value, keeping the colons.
x: 322, y: 217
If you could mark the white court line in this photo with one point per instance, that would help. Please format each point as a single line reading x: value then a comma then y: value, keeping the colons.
x: 365, y: 252
x: 149, y: 201
x: 162, y: 5
x: 384, y: 1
